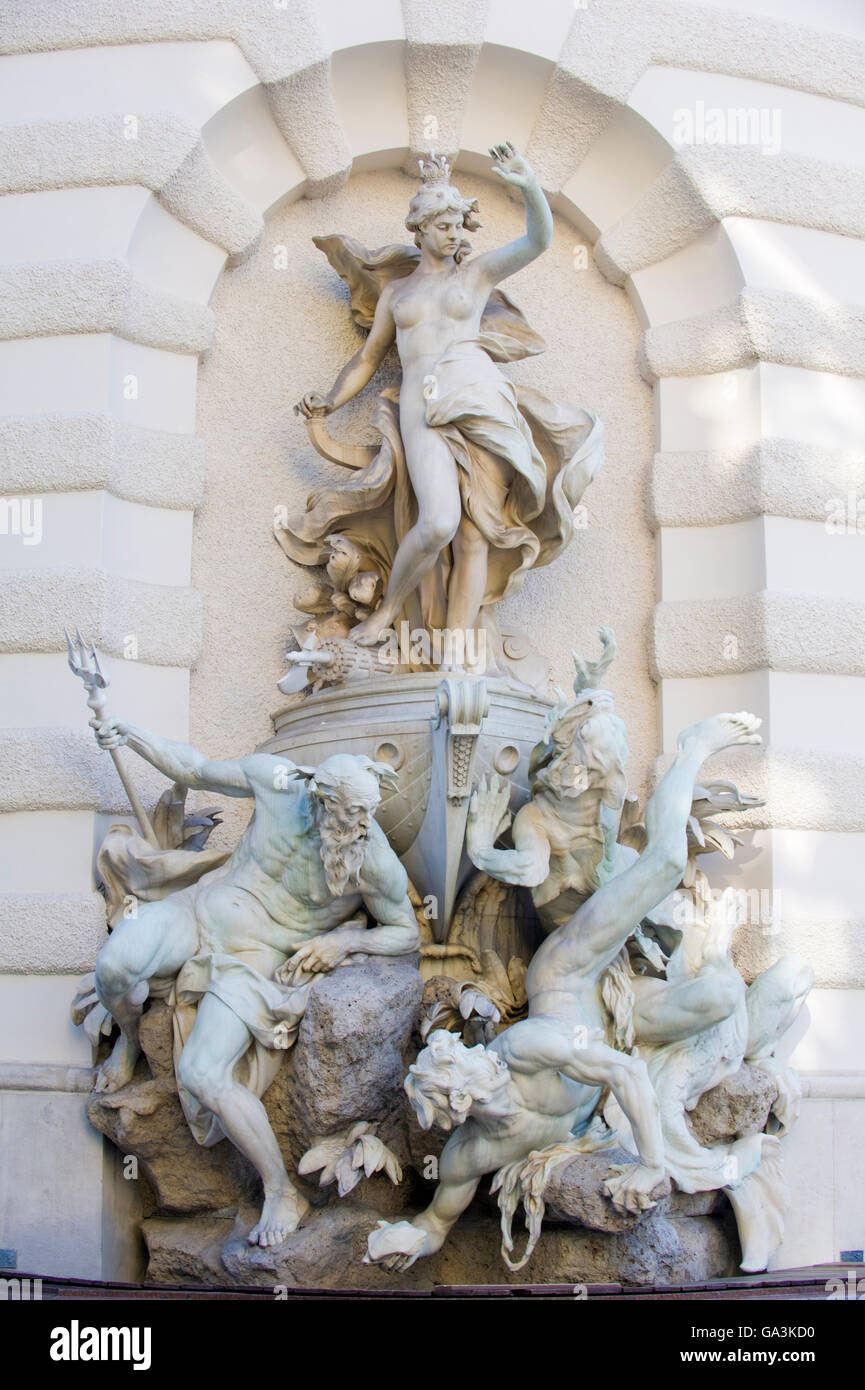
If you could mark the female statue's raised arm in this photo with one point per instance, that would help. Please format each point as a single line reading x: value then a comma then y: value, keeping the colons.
x: 507, y: 260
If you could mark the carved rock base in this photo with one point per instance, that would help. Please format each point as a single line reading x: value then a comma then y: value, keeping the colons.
x: 327, y: 1253
x: 355, y: 1044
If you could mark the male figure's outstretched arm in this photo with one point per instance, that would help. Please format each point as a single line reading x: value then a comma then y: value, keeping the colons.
x: 184, y: 764
x: 460, y: 1172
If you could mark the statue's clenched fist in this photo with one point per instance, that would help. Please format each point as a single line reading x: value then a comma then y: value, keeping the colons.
x: 110, y: 733
x: 312, y: 405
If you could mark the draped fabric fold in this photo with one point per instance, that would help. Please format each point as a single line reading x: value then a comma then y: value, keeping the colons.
x: 265, y: 1006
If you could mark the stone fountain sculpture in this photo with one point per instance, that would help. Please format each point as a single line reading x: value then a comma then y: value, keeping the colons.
x: 446, y: 913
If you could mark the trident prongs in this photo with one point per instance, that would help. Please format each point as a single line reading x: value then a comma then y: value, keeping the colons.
x: 86, y: 667
x: 70, y: 654
x: 98, y: 677
x: 84, y: 663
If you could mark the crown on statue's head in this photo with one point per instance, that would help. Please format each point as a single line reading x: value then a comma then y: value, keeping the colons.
x: 434, y: 170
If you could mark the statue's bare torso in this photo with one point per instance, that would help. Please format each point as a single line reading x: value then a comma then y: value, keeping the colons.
x: 271, y: 895
x: 310, y: 855
x: 431, y: 311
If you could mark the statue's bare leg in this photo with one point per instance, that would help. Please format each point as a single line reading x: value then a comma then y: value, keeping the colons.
x: 666, y: 1013
x: 216, y: 1044
x: 153, y: 945
x: 433, y: 475
x: 592, y: 939
x: 468, y: 581
x: 584, y: 947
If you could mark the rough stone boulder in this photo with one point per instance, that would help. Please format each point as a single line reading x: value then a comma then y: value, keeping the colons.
x: 347, y: 1064
x: 737, y: 1107
x: 575, y: 1194
x: 352, y: 1053
x: 327, y: 1252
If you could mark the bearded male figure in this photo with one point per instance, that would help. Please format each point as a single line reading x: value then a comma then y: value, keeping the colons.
x: 238, y: 951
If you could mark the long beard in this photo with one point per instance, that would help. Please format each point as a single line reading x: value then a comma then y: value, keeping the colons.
x: 342, y: 852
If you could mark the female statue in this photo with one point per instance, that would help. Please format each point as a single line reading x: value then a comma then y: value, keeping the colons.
x: 476, y: 480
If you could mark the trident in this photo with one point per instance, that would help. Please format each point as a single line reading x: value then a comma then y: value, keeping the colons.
x: 88, y: 669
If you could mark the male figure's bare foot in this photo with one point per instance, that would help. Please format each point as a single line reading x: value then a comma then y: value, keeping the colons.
x: 116, y: 1070
x: 281, y: 1214
x: 717, y: 732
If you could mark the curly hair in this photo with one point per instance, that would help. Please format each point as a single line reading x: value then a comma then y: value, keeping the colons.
x: 431, y: 200
x: 448, y: 1078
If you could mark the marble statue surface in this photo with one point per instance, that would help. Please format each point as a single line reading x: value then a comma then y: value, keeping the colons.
x: 449, y: 943
x: 238, y: 950
x: 476, y: 479
x: 537, y: 1086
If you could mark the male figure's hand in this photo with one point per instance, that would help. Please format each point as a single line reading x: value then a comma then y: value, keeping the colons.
x: 110, y: 733
x: 397, y: 1245
x: 489, y: 816
x: 320, y: 955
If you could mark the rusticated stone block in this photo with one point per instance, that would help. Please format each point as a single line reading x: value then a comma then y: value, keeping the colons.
x: 144, y: 1119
